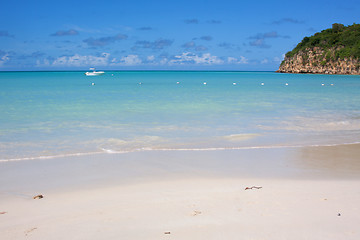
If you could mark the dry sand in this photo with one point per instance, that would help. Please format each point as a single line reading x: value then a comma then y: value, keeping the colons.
x: 305, y: 194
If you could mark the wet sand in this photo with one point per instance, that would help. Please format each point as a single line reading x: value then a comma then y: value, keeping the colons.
x: 300, y: 193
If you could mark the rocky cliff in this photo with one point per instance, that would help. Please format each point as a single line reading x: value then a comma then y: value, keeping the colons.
x: 332, y: 51
x: 315, y: 60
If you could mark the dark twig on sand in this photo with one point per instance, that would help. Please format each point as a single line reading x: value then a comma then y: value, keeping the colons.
x: 38, y: 196
x: 250, y: 188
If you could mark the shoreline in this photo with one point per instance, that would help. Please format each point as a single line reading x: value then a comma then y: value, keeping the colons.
x: 298, y: 194
x: 317, y: 73
x: 110, y: 151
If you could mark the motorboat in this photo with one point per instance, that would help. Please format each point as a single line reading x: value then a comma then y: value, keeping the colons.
x: 94, y: 73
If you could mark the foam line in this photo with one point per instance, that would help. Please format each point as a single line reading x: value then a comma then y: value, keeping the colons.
x: 110, y: 151
x: 49, y: 157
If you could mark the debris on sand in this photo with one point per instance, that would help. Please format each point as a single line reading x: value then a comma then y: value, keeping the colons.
x: 38, y: 196
x: 27, y: 232
x: 196, y: 213
x: 250, y: 188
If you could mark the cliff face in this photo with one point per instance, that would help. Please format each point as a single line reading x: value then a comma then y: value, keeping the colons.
x: 332, y: 51
x: 316, y: 60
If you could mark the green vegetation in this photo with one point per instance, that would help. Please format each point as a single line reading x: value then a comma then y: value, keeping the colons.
x: 338, y: 42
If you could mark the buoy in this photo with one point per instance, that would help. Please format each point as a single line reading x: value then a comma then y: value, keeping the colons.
x: 177, y: 82
x: 205, y: 83
x: 322, y: 84
x: 262, y: 84
x: 286, y: 84
x: 92, y: 84
x: 234, y: 83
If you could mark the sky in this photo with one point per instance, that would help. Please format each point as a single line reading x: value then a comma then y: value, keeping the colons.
x: 161, y: 34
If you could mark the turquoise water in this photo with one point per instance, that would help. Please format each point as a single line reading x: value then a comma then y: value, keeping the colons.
x: 63, y: 113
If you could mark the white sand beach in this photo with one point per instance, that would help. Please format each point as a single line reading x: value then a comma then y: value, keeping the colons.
x: 299, y: 193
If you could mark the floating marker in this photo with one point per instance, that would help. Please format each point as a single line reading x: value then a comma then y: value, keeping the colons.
x: 92, y: 84
x: 234, y: 83
x: 286, y: 84
x: 262, y: 84
x: 205, y: 83
x: 323, y: 84
x: 177, y: 82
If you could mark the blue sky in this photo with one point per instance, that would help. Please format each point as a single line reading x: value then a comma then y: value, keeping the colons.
x: 160, y: 34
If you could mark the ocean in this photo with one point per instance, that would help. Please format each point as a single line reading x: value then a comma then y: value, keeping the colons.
x: 52, y: 114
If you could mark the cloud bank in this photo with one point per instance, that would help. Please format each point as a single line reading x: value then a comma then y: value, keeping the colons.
x: 191, y: 21
x: 288, y: 20
x: 105, y: 60
x: 5, y: 34
x: 155, y: 45
x: 4, y: 57
x: 62, y: 33
x: 259, y: 39
x: 191, y: 58
x: 76, y: 60
x: 100, y: 42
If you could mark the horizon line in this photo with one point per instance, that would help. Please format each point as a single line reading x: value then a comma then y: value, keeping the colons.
x: 139, y: 71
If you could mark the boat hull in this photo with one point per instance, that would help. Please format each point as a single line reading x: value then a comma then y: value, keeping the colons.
x: 94, y: 73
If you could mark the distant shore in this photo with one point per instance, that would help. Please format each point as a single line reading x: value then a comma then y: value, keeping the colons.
x: 297, y: 193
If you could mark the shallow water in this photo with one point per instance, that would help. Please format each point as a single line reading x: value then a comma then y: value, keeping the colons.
x: 63, y: 113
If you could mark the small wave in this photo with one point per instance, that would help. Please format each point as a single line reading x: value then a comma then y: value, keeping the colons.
x: 49, y: 157
x: 250, y: 147
x: 111, y: 151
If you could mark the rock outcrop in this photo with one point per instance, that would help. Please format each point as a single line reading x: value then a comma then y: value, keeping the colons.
x: 317, y: 61
x: 332, y: 51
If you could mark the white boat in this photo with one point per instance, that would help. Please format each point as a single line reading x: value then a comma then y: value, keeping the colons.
x: 94, y: 73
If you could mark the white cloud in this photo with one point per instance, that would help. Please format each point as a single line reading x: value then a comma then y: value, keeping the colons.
x: 232, y: 60
x: 185, y: 58
x: 191, y: 58
x: 264, y: 61
x: 4, y: 59
x: 151, y: 58
x: 243, y: 60
x: 43, y: 63
x: 163, y: 61
x: 79, y: 61
x: 277, y: 60
x: 129, y: 60
x: 240, y: 60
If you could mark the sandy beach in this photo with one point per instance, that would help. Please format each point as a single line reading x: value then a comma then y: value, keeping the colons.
x: 277, y: 193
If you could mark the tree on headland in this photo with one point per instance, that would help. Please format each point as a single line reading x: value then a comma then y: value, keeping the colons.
x: 344, y: 40
x: 337, y: 27
x: 332, y: 51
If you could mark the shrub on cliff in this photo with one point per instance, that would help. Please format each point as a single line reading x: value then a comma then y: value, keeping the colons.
x: 345, y: 41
